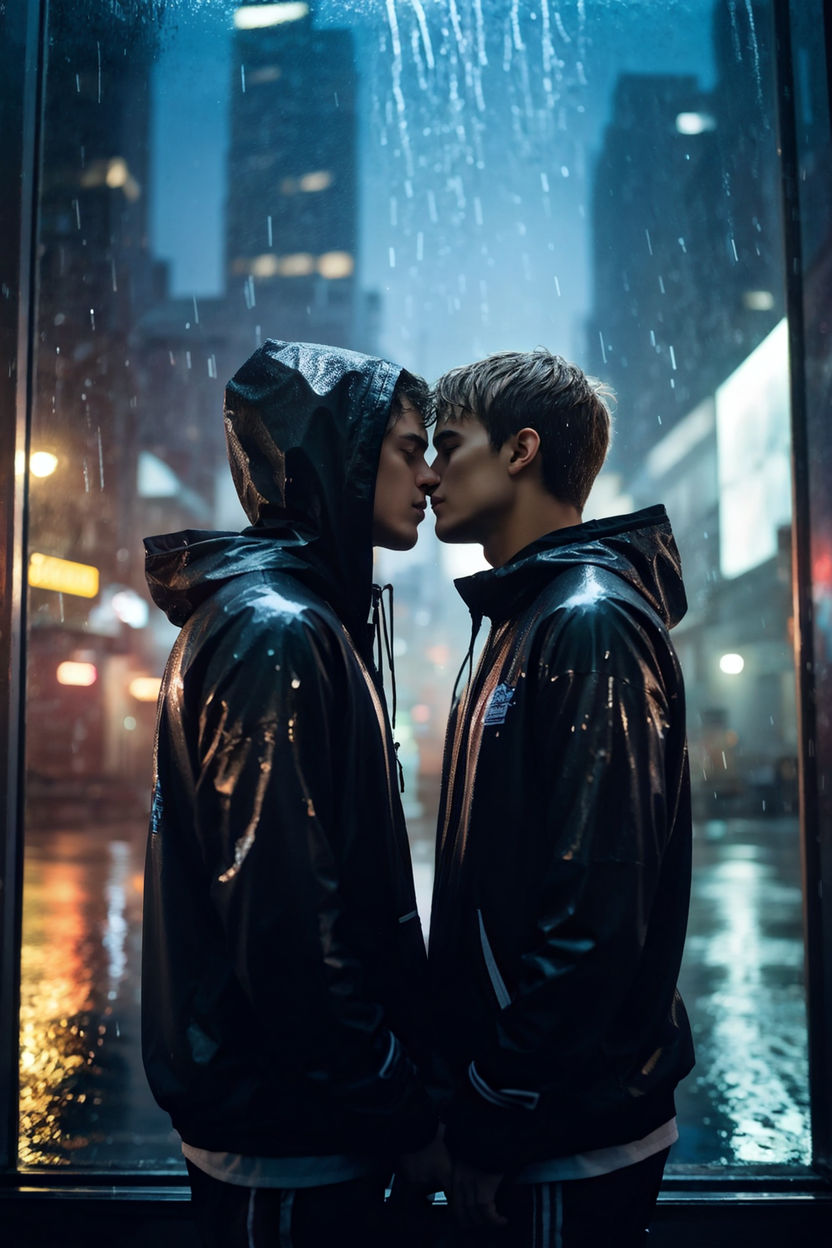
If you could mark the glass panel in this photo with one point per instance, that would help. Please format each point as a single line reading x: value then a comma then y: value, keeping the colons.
x: 431, y: 181
x: 813, y: 107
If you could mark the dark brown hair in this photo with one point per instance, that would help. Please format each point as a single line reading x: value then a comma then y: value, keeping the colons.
x: 410, y: 388
x: 515, y: 389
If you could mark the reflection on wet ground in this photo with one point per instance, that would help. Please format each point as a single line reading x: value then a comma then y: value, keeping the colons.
x: 84, y: 1101
x: 747, y: 1099
x: 83, y: 1096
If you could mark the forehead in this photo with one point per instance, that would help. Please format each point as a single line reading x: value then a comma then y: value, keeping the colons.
x: 407, y: 420
x: 454, y: 420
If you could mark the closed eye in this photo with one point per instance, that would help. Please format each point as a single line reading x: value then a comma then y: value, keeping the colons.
x: 412, y: 447
x: 445, y: 444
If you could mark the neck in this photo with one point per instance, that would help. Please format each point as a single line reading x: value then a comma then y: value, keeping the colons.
x: 532, y: 518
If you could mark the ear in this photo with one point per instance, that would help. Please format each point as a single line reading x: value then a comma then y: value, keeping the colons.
x: 523, y: 447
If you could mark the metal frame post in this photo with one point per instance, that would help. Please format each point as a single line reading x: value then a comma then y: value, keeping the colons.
x: 21, y: 66
x: 817, y: 961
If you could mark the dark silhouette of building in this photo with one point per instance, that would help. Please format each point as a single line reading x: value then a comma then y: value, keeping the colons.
x: 292, y: 206
x: 686, y: 233
x: 688, y: 282
x: 95, y: 279
x: 291, y: 231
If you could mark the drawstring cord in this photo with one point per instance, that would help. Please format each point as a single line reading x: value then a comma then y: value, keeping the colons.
x: 468, y: 661
x: 383, y: 637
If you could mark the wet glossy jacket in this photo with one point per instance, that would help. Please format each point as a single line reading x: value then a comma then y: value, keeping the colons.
x: 283, y: 957
x: 563, y: 859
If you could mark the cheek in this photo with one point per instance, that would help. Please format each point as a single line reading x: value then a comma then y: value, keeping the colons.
x: 397, y: 481
x: 466, y: 479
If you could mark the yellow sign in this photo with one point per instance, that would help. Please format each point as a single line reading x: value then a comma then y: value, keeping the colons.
x: 62, y: 575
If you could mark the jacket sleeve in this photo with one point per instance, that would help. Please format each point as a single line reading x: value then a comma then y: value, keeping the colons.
x: 598, y: 744
x: 267, y: 817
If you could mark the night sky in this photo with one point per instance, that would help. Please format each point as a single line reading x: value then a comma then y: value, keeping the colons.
x: 475, y: 171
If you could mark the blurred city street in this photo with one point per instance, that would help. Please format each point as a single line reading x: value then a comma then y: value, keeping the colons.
x: 84, y: 1101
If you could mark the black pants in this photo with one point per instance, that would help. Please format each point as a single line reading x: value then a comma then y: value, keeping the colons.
x: 610, y: 1211
x: 347, y: 1214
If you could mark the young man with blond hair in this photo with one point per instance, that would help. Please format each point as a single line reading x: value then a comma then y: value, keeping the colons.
x: 564, y: 839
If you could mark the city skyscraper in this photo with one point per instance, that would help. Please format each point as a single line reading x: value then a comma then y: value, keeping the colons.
x: 686, y: 326
x: 292, y: 206
x: 685, y: 284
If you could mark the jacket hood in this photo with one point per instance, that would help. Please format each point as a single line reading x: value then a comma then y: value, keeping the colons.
x: 183, y: 569
x: 640, y: 548
x: 304, y: 426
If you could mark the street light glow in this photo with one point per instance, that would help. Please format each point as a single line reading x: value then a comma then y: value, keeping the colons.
x: 758, y: 300
x: 42, y: 463
x: 145, y: 688
x: 731, y: 664
x: 81, y: 674
x: 695, y: 123
x: 130, y: 608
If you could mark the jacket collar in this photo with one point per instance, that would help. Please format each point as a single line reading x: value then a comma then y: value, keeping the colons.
x: 640, y: 548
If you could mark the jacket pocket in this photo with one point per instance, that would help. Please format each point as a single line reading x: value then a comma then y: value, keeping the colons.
x: 498, y: 984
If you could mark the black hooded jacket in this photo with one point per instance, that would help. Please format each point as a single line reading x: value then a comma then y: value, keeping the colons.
x: 564, y: 851
x: 283, y: 960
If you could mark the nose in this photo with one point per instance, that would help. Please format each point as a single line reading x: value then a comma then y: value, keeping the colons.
x: 428, y: 478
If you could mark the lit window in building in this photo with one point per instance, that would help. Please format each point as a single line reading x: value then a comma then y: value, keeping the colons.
x: 298, y: 264
x: 259, y: 16
x: 320, y: 180
x: 335, y: 264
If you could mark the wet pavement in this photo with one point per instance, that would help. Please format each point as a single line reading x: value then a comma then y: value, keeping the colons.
x: 84, y: 1102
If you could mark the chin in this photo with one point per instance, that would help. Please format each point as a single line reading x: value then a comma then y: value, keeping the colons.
x: 447, y: 533
x: 397, y: 541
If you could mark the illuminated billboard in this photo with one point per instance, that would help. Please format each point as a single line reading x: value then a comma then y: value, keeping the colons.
x: 62, y: 575
x: 753, y: 455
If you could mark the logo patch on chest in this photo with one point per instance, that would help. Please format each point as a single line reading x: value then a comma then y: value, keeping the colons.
x: 498, y: 704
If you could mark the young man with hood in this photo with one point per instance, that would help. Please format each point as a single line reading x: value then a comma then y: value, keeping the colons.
x: 564, y: 841
x: 283, y: 964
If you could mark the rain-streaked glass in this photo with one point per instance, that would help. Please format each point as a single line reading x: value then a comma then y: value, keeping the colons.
x: 431, y: 180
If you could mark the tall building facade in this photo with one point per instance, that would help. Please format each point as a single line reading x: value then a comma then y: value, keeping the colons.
x: 688, y: 328
x: 680, y: 298
x: 292, y: 205
x: 95, y: 279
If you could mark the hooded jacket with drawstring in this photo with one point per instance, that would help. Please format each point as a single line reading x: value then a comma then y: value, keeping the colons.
x: 283, y: 962
x: 564, y: 852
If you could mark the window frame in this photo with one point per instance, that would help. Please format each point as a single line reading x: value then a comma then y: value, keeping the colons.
x: 21, y: 65
x: 22, y: 60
